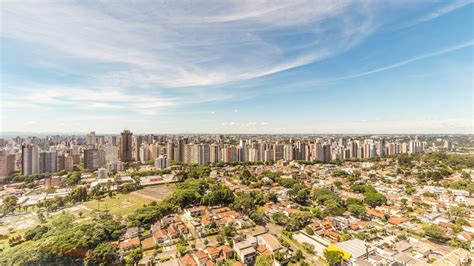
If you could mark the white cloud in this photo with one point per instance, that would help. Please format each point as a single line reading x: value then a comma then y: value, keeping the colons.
x: 453, y: 5
x: 381, y: 68
x: 184, y: 44
x: 408, y: 61
x: 74, y: 97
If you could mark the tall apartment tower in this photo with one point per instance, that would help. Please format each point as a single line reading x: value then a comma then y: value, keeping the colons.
x: 93, y: 158
x: 161, y: 162
x: 137, y: 143
x: 170, y: 151
x: 126, y: 146
x: 29, y: 159
x: 91, y: 138
x: 326, y: 149
x: 214, y: 154
x: 277, y: 152
x: 7, y: 163
x: 48, y: 162
x: 204, y: 154
x: 180, y: 151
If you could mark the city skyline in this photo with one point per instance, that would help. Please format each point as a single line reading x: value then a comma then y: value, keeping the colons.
x: 252, y: 68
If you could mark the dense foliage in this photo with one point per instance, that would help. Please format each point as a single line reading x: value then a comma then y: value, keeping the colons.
x: 65, y: 241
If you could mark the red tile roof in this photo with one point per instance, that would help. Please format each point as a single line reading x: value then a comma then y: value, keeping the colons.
x: 397, y: 220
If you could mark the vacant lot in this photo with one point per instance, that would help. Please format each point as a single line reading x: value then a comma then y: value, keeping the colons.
x: 155, y: 193
x: 120, y: 204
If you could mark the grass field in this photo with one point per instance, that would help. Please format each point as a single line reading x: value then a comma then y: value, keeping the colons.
x: 120, y: 204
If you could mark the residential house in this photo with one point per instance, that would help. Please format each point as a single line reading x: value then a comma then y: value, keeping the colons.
x: 270, y: 242
x: 160, y: 236
x: 129, y: 243
x: 245, y: 250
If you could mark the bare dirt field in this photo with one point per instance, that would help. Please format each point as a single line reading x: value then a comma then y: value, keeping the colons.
x: 156, y: 193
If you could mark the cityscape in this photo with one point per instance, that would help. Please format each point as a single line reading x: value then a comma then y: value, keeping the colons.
x: 240, y: 199
x: 237, y: 133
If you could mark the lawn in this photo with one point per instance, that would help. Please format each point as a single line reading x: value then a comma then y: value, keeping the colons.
x: 120, y: 204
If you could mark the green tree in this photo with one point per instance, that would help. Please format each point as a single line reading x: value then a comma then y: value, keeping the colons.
x: 133, y: 257
x: 272, y: 196
x: 218, y: 195
x: 302, y: 196
x: 374, y: 199
x: 263, y: 260
x: 299, y: 255
x: 244, y: 202
x: 105, y: 252
x: 435, y: 232
x: 357, y: 210
x: 333, y: 257
x: 72, y: 179
x: 181, y: 248
x: 258, y: 217
x: 308, y: 247
x: 9, y: 204
x: 279, y: 218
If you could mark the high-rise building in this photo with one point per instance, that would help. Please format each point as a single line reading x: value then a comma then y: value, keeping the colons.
x: 448, y: 145
x: 126, y: 146
x: 318, y: 150
x: 268, y: 155
x: 243, y: 151
x: 93, y: 158
x: 29, y: 159
x: 111, y: 153
x: 288, y: 152
x: 326, y: 150
x: 170, y: 151
x: 68, y: 162
x: 7, y: 164
x: 91, y: 139
x: 214, y: 154
x: 137, y: 143
x: 416, y: 146
x: 253, y: 155
x: 161, y: 162
x: 277, y: 152
x: 189, y: 153
x: 229, y: 154
x: 381, y: 148
x: 204, y: 154
x: 144, y: 153
x: 180, y: 151
x: 48, y: 162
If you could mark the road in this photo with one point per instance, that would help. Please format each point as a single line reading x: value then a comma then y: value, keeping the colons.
x: 199, y: 242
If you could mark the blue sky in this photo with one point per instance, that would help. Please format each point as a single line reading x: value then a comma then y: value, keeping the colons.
x: 237, y: 66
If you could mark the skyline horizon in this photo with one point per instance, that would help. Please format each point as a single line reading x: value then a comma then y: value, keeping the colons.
x: 71, y: 133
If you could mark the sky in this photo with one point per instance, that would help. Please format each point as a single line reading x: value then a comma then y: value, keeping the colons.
x: 309, y: 67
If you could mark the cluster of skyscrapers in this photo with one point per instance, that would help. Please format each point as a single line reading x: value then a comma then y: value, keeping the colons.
x: 35, y: 155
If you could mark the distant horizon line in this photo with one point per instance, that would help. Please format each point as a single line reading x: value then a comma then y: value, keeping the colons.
x: 23, y: 133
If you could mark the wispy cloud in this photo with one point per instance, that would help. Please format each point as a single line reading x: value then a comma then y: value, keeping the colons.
x: 171, y: 45
x: 128, y: 59
x: 408, y: 61
x: 453, y: 5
